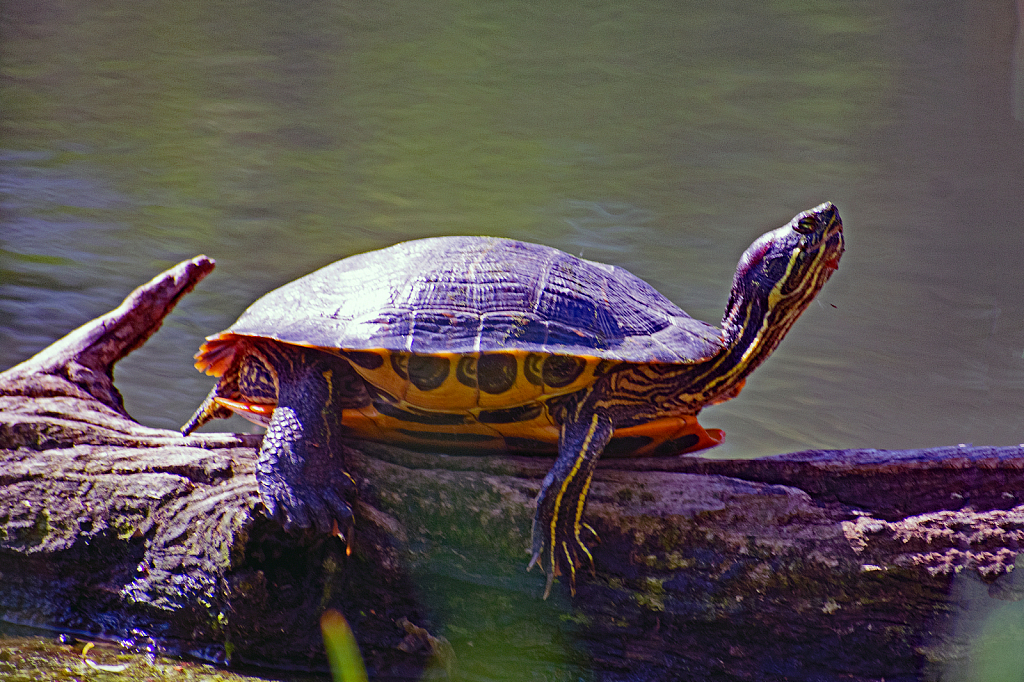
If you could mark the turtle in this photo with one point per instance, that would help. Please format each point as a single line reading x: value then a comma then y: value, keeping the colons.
x: 483, y: 344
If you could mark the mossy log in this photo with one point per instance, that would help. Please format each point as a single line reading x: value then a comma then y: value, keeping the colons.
x: 844, y: 565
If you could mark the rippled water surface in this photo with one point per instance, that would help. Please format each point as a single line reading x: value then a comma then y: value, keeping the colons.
x: 664, y: 137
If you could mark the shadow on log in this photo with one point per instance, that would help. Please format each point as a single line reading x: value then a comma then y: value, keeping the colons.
x: 839, y: 565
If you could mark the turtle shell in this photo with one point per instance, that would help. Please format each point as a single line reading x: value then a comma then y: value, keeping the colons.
x: 456, y: 323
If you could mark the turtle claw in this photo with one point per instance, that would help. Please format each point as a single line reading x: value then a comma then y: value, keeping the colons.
x: 550, y: 582
x: 535, y: 560
x: 323, y: 509
x: 562, y: 559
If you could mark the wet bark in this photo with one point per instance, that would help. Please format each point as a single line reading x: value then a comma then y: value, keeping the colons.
x: 851, y: 565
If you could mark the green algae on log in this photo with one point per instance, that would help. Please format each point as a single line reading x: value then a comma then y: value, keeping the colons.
x: 812, y: 566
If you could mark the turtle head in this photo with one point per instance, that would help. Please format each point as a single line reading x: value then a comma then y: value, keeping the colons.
x: 775, y: 281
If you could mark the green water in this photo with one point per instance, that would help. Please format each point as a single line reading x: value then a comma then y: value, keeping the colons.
x: 664, y: 137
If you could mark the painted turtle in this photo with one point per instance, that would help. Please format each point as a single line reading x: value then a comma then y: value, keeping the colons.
x: 484, y: 343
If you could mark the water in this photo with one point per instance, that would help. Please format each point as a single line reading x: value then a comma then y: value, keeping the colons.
x: 661, y: 136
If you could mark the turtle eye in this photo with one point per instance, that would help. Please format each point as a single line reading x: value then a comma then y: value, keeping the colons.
x: 806, y: 225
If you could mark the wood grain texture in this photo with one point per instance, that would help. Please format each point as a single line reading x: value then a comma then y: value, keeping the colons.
x: 839, y: 565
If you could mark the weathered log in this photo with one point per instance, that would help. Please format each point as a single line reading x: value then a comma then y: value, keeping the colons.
x: 812, y: 566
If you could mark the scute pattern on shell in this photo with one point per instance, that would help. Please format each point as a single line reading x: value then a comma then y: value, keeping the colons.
x: 478, y: 294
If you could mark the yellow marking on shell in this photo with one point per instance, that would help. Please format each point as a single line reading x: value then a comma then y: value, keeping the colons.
x: 454, y: 396
x: 369, y: 424
x: 521, y: 391
x: 449, y: 396
x: 365, y: 423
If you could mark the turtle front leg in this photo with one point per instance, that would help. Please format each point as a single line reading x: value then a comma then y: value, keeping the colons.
x: 557, y: 546
x: 301, y: 469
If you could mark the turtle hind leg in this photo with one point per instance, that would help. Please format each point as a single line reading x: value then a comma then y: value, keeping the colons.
x: 207, y: 411
x: 557, y: 546
x: 302, y: 484
x: 301, y: 469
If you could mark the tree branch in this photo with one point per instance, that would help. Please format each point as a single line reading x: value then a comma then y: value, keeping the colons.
x: 811, y: 566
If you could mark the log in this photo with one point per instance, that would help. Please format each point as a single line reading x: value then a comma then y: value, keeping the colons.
x: 831, y: 565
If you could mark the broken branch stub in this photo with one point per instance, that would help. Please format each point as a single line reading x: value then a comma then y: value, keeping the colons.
x: 81, y: 363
